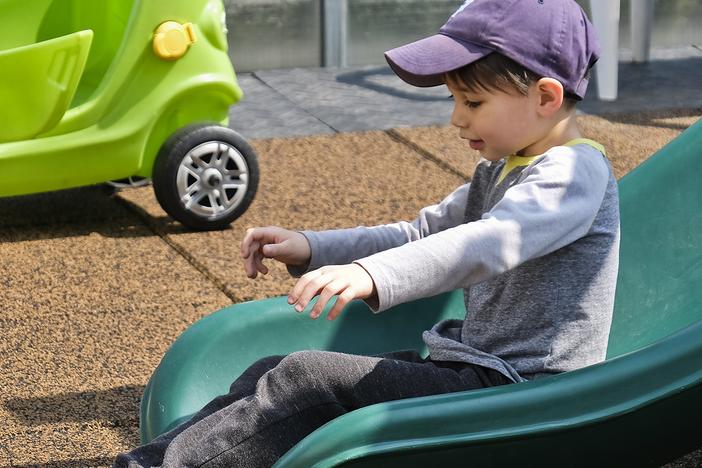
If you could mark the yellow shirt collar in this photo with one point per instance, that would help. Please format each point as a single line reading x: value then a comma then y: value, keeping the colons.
x: 515, y: 161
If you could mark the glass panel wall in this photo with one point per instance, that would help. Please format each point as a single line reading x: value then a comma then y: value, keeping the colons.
x: 676, y: 23
x: 375, y: 26
x: 278, y: 34
x: 273, y: 34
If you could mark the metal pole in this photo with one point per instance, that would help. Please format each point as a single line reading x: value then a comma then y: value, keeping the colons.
x: 605, y: 18
x: 641, y: 26
x: 335, y: 20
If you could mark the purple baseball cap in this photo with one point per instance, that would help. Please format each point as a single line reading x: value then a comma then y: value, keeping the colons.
x: 552, y: 38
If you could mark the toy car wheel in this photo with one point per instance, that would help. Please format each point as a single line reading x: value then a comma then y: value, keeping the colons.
x: 205, y: 176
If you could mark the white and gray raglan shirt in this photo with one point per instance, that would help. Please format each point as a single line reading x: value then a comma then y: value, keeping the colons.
x: 534, y: 243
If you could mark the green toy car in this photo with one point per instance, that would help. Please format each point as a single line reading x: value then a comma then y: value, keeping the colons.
x: 92, y: 92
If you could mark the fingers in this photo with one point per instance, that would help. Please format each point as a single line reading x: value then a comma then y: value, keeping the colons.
x: 256, y: 265
x: 249, y: 246
x: 249, y: 243
x: 255, y: 246
x: 306, y: 288
x: 348, y: 282
x: 253, y: 259
x: 273, y: 242
x: 341, y: 302
x: 274, y: 250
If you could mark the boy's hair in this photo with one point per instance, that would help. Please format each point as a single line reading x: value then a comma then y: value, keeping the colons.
x: 494, y: 72
x: 497, y: 72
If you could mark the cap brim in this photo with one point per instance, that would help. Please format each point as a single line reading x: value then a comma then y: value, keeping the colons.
x: 422, y: 63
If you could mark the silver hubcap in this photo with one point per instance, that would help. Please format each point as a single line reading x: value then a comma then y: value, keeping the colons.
x: 212, y: 179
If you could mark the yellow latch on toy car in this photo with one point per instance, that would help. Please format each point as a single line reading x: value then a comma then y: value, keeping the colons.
x: 172, y: 39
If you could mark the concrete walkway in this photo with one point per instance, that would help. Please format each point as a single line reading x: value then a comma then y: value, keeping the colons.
x: 304, y: 102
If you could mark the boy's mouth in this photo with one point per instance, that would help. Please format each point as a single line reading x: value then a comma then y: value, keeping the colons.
x: 476, y: 145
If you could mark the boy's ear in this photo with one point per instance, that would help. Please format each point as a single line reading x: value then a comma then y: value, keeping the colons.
x: 550, y: 96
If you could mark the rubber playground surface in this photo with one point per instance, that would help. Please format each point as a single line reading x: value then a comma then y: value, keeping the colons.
x: 98, y: 283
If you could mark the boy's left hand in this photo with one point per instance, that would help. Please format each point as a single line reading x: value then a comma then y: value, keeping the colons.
x: 347, y: 281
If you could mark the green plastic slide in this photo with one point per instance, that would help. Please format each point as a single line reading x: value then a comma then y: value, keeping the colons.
x: 641, y: 407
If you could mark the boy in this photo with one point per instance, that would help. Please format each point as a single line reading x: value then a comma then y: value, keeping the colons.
x: 533, y: 240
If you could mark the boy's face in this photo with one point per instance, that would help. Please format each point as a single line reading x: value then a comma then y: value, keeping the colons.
x: 496, y: 123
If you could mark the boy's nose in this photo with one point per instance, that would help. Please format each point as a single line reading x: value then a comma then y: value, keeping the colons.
x: 458, y: 119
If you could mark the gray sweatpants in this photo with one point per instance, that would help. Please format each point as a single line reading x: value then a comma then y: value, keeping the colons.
x: 279, y: 400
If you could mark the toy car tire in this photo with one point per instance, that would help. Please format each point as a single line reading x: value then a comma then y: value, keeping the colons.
x: 205, y: 176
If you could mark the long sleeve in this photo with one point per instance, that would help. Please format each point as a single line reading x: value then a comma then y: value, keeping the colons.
x: 342, y: 246
x: 555, y: 203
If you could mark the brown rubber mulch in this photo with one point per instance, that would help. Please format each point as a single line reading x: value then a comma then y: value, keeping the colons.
x: 96, y: 285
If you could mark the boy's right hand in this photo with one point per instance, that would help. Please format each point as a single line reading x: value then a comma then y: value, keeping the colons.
x: 288, y: 247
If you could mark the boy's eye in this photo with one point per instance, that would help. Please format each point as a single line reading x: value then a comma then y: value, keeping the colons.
x: 472, y: 104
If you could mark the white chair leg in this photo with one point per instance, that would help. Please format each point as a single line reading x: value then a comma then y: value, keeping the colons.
x: 605, y: 18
